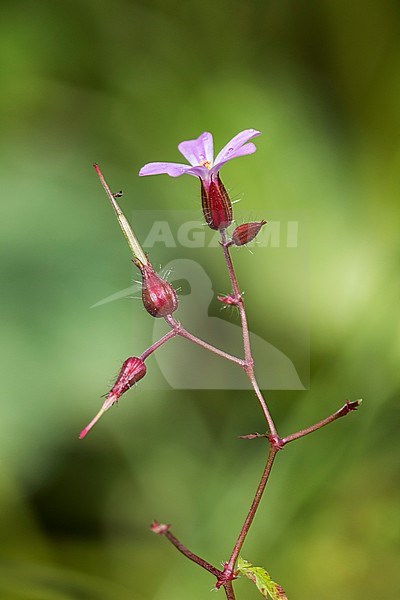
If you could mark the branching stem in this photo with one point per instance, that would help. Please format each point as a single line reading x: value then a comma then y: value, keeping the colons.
x: 342, y: 412
x: 157, y: 344
x: 227, y: 574
x: 249, y: 368
x: 181, y: 331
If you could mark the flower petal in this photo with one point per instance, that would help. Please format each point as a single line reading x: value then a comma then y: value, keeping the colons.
x: 158, y: 168
x: 198, y: 151
x: 246, y: 149
x: 201, y: 172
x: 229, y: 151
x: 174, y: 170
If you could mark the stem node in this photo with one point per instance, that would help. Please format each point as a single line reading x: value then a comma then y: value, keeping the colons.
x: 228, y: 574
x: 276, y: 442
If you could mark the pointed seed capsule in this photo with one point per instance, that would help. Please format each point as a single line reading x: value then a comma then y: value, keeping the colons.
x: 246, y: 232
x: 158, y: 296
x: 132, y: 370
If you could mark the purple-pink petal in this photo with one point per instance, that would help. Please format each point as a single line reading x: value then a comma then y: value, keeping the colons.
x: 243, y: 151
x: 198, y: 151
x: 158, y: 168
x: 173, y: 170
x: 201, y: 172
x: 229, y: 151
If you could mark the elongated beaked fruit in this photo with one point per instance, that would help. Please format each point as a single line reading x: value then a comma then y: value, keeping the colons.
x: 132, y: 370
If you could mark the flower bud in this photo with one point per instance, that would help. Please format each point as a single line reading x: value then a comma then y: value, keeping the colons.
x: 132, y: 370
x: 216, y: 204
x: 159, y: 297
x: 229, y: 300
x: 246, y: 232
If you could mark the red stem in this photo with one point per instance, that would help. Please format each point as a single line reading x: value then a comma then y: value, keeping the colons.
x: 276, y: 445
x: 227, y: 575
x: 237, y: 296
x: 260, y: 397
x: 180, y: 330
x: 230, y: 594
x: 157, y: 344
x: 249, y: 366
x: 222, y: 579
x: 253, y: 508
x: 191, y: 556
x: 342, y: 412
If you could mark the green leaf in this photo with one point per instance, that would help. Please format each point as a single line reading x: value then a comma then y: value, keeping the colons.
x: 262, y: 579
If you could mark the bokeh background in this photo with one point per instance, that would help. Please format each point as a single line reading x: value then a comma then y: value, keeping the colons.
x: 122, y: 83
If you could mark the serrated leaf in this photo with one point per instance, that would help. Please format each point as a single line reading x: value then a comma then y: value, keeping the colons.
x: 262, y: 579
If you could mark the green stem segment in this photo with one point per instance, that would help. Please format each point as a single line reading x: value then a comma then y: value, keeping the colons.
x: 122, y: 220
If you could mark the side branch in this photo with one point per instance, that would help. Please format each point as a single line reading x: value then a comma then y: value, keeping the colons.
x: 132, y: 370
x: 276, y: 444
x: 157, y: 344
x: 182, y: 332
x: 342, y: 412
x: 162, y: 529
x: 223, y: 578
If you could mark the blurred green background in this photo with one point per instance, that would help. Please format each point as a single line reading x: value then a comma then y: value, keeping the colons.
x: 122, y: 83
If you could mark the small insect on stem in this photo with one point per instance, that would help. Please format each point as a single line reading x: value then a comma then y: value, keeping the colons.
x: 122, y: 220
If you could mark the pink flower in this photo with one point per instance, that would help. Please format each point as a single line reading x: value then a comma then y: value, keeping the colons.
x: 216, y: 204
x: 200, y: 154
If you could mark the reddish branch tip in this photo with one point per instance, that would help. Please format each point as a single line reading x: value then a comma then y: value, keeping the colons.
x: 159, y: 528
x: 355, y: 404
x: 349, y: 406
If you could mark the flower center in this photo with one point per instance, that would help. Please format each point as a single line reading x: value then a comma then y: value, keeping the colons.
x: 206, y: 164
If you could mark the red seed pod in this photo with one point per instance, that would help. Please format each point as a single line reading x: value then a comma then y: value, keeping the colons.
x: 216, y: 204
x: 159, y: 297
x: 132, y: 370
x: 246, y: 232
